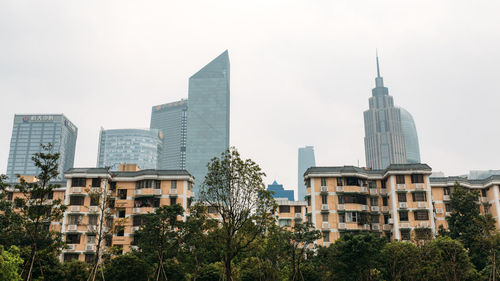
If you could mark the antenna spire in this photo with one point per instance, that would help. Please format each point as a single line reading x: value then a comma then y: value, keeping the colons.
x: 378, y: 68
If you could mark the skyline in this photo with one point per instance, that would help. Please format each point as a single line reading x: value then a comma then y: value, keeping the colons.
x: 313, y: 87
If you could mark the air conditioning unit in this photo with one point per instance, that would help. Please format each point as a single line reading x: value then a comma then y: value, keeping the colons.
x: 341, y: 207
x: 48, y: 201
x: 363, y: 189
x: 419, y: 186
x: 374, y: 208
x: 391, y: 221
x: 90, y: 248
x: 93, y: 209
x: 364, y: 207
x: 423, y: 224
x: 326, y: 244
x: 74, y: 208
x: 446, y: 197
x: 324, y: 189
x: 403, y: 205
x: 373, y: 191
x: 340, y: 189
x: 105, y: 229
x: 422, y: 204
x: 405, y: 225
x: 383, y: 191
x: 439, y: 210
x: 136, y: 210
x: 298, y: 215
x: 386, y: 227
x: 138, y: 191
x: 72, y: 227
x: 484, y: 199
x: 92, y: 228
x: 324, y: 207
x: 135, y: 228
x: 448, y: 214
x: 95, y: 189
x: 366, y: 227
x: 325, y: 225
x: 384, y: 208
x: 77, y: 189
x: 134, y: 247
x: 342, y: 225
x: 173, y: 191
x: 375, y: 226
x: 401, y: 186
x: 157, y: 192
x: 71, y: 247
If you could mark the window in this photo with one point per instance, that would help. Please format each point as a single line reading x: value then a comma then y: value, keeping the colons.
x: 403, y: 216
x: 375, y: 219
x: 405, y: 234
x: 308, y: 200
x: 323, y: 181
x: 308, y: 218
x: 112, y: 185
x: 339, y: 182
x: 386, y: 219
x: 157, y: 184
x: 324, y: 199
x: 108, y: 240
x: 352, y: 198
x: 401, y: 197
x: 419, y: 197
x: 325, y: 217
x: 173, y: 201
x: 308, y: 182
x: 78, y: 182
x: 400, y: 179
x: 10, y: 196
x: 121, y: 213
x: 285, y: 222
x: 486, y: 209
x: 284, y: 209
x: 89, y: 258
x: 373, y: 201
x: 447, y: 207
x: 352, y: 181
x: 122, y: 194
x: 372, y: 184
x: 189, y: 201
x: 96, y: 182
x: 298, y: 209
x: 120, y: 231
x: 383, y: 184
x: 417, y: 178
x: 74, y: 219
x: 147, y: 184
x: 421, y: 215
x: 341, y: 199
x: 73, y: 238
x: 326, y: 236
x: 69, y: 257
x: 348, y: 217
x: 90, y: 239
x: 76, y: 200
x: 446, y: 190
x: 92, y: 219
x: 173, y: 184
x: 483, y: 192
x: 94, y: 200
x: 137, y: 221
x: 384, y: 201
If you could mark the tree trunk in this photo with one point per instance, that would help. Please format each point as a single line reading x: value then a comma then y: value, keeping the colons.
x: 227, y: 265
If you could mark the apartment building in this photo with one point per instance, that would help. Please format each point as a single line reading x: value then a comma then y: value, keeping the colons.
x: 488, y: 200
x: 290, y: 212
x: 395, y: 202
x: 131, y: 192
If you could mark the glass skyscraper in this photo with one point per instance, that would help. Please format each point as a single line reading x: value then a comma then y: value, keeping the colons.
x: 280, y: 192
x: 29, y: 131
x: 306, y: 160
x: 390, y: 131
x: 171, y: 120
x: 207, y: 116
x: 411, y: 137
x: 129, y: 146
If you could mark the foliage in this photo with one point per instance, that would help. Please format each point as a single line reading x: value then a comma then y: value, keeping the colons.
x: 76, y: 271
x: 400, y: 261
x: 10, y: 260
x: 127, y: 267
x: 234, y: 187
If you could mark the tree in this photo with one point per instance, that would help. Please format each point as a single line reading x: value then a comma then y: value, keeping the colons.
x: 76, y: 271
x: 445, y: 259
x: 300, y: 239
x: 9, y: 263
x: 160, y: 236
x: 489, y: 239
x: 234, y: 188
x: 400, y: 261
x: 37, y: 210
x: 127, y: 267
x: 355, y: 256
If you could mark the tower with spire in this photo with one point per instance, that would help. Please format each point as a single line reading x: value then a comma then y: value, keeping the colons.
x: 384, y: 138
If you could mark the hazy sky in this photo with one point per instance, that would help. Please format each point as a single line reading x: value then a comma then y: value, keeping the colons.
x: 301, y: 72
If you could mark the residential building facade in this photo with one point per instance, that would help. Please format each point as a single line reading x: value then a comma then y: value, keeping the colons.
x: 208, y: 116
x: 131, y: 146
x: 29, y: 131
x: 306, y: 160
x: 290, y: 212
x: 171, y: 120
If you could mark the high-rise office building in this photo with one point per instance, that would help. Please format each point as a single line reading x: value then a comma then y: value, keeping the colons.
x: 384, y: 137
x: 207, y: 116
x: 280, y: 192
x: 411, y: 137
x: 29, y: 131
x: 171, y: 120
x: 306, y: 160
x: 129, y: 146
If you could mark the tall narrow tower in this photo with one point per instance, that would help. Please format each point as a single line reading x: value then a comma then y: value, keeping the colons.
x: 384, y: 139
x: 306, y: 160
x: 207, y: 116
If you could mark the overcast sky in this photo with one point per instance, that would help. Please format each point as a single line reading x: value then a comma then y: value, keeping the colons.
x: 301, y: 72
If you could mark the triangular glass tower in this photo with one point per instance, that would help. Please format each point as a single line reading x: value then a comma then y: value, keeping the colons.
x: 207, y: 116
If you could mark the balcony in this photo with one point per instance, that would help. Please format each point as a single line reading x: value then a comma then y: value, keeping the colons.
x: 143, y: 210
x: 403, y: 205
x: 401, y: 186
x: 147, y: 191
x: 74, y: 208
x: 72, y: 227
x: 419, y: 186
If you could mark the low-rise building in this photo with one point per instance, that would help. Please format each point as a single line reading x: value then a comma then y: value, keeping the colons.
x: 290, y: 212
